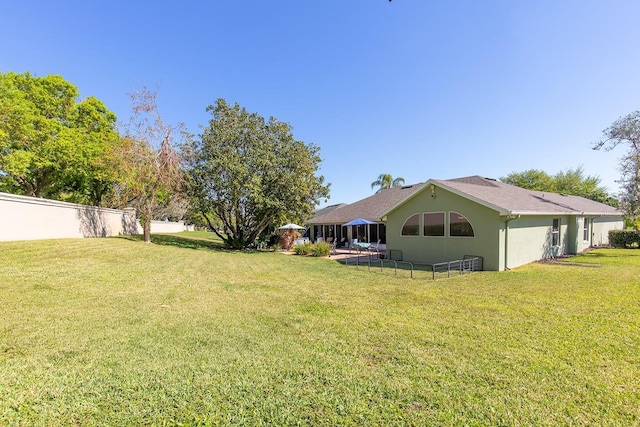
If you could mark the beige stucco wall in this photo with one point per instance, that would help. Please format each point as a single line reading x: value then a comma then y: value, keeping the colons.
x: 485, y: 222
x: 168, y: 227
x: 31, y: 218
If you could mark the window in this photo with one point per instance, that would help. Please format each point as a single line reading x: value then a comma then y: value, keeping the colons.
x: 373, y: 233
x: 434, y: 224
x: 555, y: 232
x: 411, y: 226
x: 585, y: 230
x: 459, y: 226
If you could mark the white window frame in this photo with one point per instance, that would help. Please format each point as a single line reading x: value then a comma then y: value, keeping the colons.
x: 444, y: 224
x: 467, y: 219
x: 405, y: 222
x: 555, y: 232
x: 586, y: 226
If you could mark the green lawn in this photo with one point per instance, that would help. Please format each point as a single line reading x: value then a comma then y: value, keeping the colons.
x: 117, y: 332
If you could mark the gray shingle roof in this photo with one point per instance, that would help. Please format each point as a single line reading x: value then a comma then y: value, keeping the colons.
x: 508, y: 199
x: 370, y: 208
x: 330, y: 208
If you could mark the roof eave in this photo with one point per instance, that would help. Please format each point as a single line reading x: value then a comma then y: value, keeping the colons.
x: 437, y: 183
x: 612, y: 214
x: 402, y: 201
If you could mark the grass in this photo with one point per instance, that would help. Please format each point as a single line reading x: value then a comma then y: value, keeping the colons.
x: 117, y: 332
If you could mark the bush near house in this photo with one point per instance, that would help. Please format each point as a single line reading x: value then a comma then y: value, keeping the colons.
x: 319, y: 249
x: 624, y: 238
x: 303, y: 249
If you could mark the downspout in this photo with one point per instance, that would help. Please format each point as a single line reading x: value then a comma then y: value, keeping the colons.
x: 506, y: 239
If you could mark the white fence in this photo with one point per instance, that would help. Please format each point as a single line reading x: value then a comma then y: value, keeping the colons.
x: 31, y: 218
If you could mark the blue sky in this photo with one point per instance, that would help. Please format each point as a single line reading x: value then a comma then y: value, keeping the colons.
x: 415, y: 88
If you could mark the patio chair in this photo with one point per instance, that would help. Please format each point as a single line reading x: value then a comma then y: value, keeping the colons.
x: 334, y: 251
x: 375, y: 247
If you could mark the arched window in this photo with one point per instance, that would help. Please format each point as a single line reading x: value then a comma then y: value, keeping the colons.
x: 459, y: 226
x: 411, y: 226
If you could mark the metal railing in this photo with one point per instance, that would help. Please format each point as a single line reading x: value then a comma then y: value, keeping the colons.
x: 468, y: 264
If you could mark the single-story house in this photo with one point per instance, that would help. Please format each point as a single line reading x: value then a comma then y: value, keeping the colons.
x: 508, y: 226
x: 328, y: 221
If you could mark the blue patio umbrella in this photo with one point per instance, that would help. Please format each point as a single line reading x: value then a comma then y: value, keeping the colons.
x: 358, y: 221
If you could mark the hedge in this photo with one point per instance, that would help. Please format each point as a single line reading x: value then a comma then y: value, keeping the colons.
x: 319, y: 249
x: 624, y: 238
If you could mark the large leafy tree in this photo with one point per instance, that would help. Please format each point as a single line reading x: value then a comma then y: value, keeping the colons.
x: 531, y: 179
x: 97, y: 170
x: 571, y: 181
x: 386, y: 181
x: 630, y: 189
x: 151, y: 176
x: 626, y: 131
x: 249, y: 174
x: 51, y: 144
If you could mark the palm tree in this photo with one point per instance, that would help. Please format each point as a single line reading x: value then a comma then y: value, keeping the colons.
x: 385, y: 181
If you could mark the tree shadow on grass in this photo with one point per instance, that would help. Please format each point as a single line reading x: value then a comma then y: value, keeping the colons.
x: 186, y: 242
x: 178, y: 241
x: 596, y: 255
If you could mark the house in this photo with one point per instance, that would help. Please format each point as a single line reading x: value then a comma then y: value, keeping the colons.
x: 508, y: 226
x: 328, y: 221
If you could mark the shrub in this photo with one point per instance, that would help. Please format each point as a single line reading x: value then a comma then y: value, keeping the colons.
x: 304, y: 249
x: 314, y: 249
x: 321, y: 249
x: 287, y: 238
x: 624, y: 238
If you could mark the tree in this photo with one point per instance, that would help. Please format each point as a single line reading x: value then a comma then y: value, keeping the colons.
x: 630, y: 184
x: 151, y: 166
x: 572, y: 181
x: 575, y: 182
x: 248, y: 175
x: 531, y: 179
x: 385, y: 181
x: 626, y: 131
x: 98, y: 169
x: 51, y: 145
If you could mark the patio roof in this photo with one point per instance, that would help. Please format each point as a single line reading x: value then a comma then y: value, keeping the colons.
x: 370, y: 208
x: 329, y: 208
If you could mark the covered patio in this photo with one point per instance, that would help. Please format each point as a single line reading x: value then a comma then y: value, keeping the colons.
x: 329, y: 222
x: 344, y: 234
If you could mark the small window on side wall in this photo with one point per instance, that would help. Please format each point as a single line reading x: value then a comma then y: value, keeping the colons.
x: 555, y: 232
x: 585, y: 230
x: 411, y: 226
x: 434, y: 224
x: 459, y: 226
